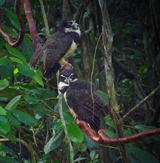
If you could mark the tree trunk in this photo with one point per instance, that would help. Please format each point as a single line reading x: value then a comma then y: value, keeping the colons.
x: 107, y: 39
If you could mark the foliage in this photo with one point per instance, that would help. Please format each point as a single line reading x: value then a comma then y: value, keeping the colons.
x: 29, y: 104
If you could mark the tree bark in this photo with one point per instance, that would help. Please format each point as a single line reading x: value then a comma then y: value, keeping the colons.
x: 107, y: 39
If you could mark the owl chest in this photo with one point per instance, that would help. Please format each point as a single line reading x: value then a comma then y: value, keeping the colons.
x: 71, y: 109
x: 71, y: 50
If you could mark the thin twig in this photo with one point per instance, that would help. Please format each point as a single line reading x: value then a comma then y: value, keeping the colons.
x: 92, y: 73
x: 64, y: 126
x: 44, y: 18
x: 141, y: 102
x: 65, y: 129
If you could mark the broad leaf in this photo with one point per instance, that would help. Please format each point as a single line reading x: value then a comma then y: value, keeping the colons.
x: 8, y: 150
x: 4, y: 124
x: 110, y: 133
x: 3, y: 61
x: 38, y: 79
x: 30, y: 99
x: 13, y: 18
x: 3, y: 84
x: 24, y: 117
x: 7, y: 159
x: 6, y: 71
x: 104, y: 96
x: 141, y: 128
x: 13, y: 103
x: 9, y: 31
x: 81, y: 158
x: 68, y: 116
x: 13, y: 121
x: 14, y: 59
x: 2, y: 111
x: 138, y: 156
x: 75, y: 133
x: 90, y: 142
x: 109, y: 122
x: 80, y: 147
x: 25, y: 70
x: 15, y: 52
x: 54, y: 142
x: 92, y: 154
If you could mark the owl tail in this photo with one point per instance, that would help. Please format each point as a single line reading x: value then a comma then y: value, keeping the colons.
x: 50, y: 72
x: 35, y: 59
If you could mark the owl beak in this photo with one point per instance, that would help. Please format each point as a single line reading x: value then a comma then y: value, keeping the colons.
x: 74, y: 25
x: 67, y: 80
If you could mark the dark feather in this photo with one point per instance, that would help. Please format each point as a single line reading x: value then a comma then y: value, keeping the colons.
x: 89, y: 107
x: 54, y: 49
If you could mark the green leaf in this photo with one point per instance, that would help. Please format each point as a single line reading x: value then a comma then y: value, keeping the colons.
x: 24, y: 117
x: 141, y: 128
x: 8, y: 30
x: 4, y: 124
x: 75, y: 133
x: 27, y: 48
x: 92, y: 155
x: 143, y: 67
x: 14, y: 59
x: 2, y: 111
x: 110, y: 133
x: 11, y: 136
x: 13, y: 121
x: 125, y: 30
x: 58, y: 126
x: 13, y: 18
x: 38, y: 78
x: 90, y: 142
x: 80, y: 158
x: 15, y: 52
x: 30, y: 99
x: 13, y: 103
x: 3, y: 84
x: 68, y: 117
x: 8, y: 150
x: 138, y: 156
x: 109, y: 121
x: 7, y: 159
x: 80, y: 147
x: 104, y: 96
x: 3, y: 61
x: 6, y: 71
x: 54, y: 142
x: 24, y: 69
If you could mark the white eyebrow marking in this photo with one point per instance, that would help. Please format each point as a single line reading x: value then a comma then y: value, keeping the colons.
x: 71, y: 74
x: 63, y: 76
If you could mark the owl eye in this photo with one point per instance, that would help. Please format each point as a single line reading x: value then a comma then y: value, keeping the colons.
x: 72, y: 76
x: 69, y: 23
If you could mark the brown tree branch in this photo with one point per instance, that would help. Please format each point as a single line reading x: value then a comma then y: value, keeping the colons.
x: 21, y: 30
x: 36, y: 39
x: 103, y: 138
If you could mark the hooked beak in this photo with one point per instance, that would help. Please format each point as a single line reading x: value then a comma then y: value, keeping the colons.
x: 67, y: 80
x: 75, y: 25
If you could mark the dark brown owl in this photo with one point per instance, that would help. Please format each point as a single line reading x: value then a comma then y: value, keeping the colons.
x: 57, y: 48
x: 86, y: 104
